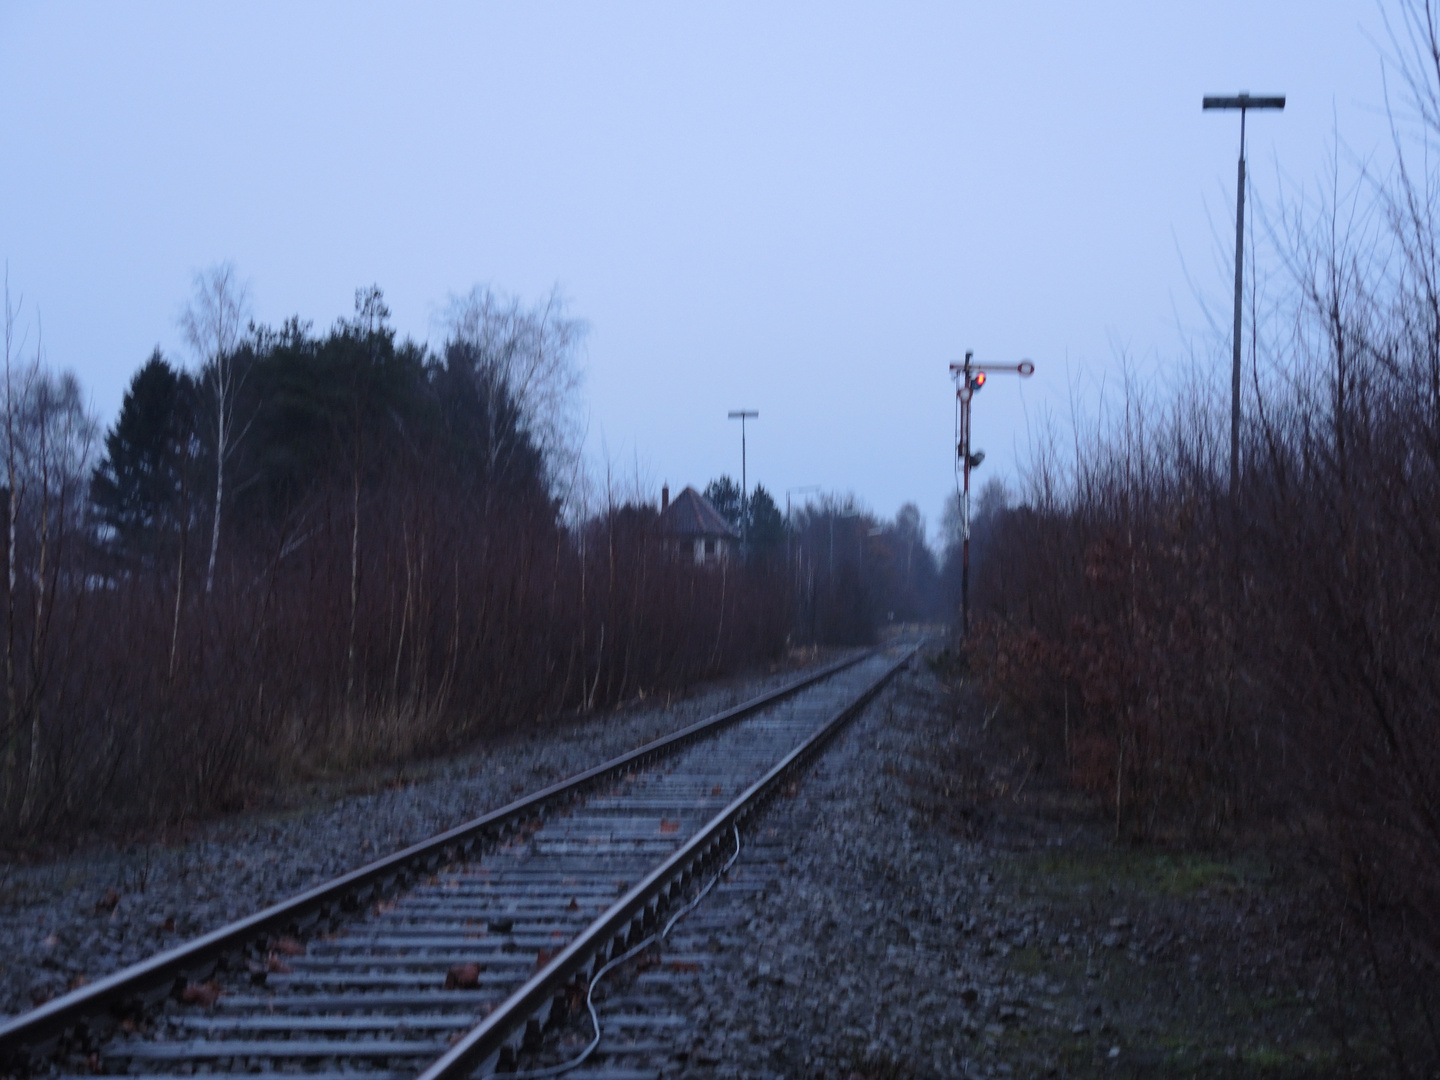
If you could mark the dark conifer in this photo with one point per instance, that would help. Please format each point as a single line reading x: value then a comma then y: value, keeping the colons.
x: 138, y: 489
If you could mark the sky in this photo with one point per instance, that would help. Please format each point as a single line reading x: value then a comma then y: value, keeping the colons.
x: 805, y: 209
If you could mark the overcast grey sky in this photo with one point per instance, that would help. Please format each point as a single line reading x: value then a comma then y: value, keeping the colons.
x: 806, y: 209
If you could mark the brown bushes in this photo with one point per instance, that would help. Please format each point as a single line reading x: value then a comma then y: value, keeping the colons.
x: 1206, y: 671
x: 1208, y: 667
x: 461, y: 628
x: 1127, y: 667
x: 393, y: 575
x: 1201, y: 678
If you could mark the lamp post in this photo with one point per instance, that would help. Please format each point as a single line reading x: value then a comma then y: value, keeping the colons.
x: 742, y: 415
x: 970, y: 377
x: 1244, y: 102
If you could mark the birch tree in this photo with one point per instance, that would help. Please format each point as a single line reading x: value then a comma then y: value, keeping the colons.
x: 46, y: 446
x: 526, y: 355
x: 212, y: 322
x: 11, y: 738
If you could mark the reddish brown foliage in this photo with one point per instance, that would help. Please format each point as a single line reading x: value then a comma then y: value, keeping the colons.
x: 157, y: 707
x: 1210, y: 669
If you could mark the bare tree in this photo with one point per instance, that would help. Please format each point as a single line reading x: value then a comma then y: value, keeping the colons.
x: 48, y: 439
x: 530, y: 353
x: 12, y: 719
x: 371, y: 313
x: 58, y: 439
x: 212, y: 322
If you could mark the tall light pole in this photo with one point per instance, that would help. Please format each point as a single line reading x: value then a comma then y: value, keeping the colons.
x: 970, y: 377
x: 742, y: 415
x: 1244, y: 102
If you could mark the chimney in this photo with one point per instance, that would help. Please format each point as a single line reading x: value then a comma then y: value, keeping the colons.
x: 664, y: 497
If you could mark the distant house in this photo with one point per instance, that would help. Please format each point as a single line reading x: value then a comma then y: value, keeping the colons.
x: 693, y: 528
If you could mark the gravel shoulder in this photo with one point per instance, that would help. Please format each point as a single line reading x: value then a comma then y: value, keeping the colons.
x: 933, y: 909
x: 70, y: 920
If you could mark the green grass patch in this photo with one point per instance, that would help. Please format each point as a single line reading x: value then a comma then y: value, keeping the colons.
x: 1028, y: 961
x: 1138, y: 870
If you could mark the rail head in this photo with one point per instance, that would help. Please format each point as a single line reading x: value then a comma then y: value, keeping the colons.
x: 30, y: 1033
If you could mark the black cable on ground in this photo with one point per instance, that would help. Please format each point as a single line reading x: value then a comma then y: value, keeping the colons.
x: 659, y: 935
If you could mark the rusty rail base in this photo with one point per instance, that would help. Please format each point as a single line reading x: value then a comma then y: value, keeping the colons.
x: 97, y: 1007
x: 520, y: 1017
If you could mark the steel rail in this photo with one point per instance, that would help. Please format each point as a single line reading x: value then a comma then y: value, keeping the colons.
x: 481, y: 1047
x: 32, y: 1033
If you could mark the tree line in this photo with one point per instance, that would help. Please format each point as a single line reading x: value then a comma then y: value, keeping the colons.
x: 314, y: 550
x: 849, y: 571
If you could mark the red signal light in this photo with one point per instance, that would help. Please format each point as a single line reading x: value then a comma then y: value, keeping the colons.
x: 979, y: 379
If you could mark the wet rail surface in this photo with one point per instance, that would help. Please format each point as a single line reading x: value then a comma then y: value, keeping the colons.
x: 398, y: 988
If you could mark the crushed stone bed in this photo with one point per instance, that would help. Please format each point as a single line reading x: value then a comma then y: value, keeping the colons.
x: 886, y: 941
x: 854, y: 959
x: 883, y: 923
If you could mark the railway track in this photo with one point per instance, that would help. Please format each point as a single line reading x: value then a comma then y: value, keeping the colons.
x: 455, y: 957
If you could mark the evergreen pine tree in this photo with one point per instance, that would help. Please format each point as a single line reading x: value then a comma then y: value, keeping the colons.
x: 139, y: 486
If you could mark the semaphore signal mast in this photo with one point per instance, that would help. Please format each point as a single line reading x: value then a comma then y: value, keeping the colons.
x: 970, y: 377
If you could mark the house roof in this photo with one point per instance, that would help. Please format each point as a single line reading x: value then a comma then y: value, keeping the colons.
x: 691, y: 514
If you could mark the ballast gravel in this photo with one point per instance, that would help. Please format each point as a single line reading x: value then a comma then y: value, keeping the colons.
x: 890, y: 917
x: 72, y: 920
x: 877, y: 948
x: 882, y: 922
x: 851, y: 939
